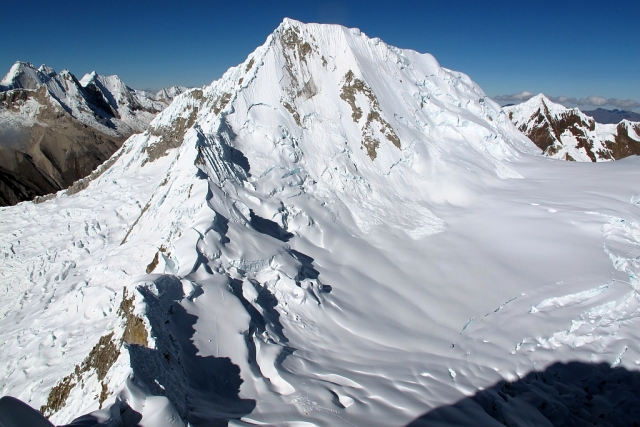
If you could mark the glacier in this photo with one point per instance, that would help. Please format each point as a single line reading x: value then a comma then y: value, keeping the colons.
x: 336, y: 232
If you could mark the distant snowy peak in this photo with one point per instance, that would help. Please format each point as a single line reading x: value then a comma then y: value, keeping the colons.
x: 135, y: 108
x: 105, y: 103
x: 47, y: 71
x: 569, y: 134
x: 167, y: 94
x: 128, y: 103
x: 23, y: 75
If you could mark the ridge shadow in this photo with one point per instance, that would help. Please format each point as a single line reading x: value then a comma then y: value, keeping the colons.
x: 270, y: 228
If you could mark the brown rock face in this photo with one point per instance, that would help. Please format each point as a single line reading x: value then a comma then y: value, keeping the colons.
x: 47, y: 152
x: 624, y: 145
x: 545, y: 131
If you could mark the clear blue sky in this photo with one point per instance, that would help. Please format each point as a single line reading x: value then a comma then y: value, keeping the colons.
x: 561, y: 47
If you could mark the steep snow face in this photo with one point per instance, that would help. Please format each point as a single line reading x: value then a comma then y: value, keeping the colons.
x: 167, y: 94
x: 336, y: 232
x: 569, y: 134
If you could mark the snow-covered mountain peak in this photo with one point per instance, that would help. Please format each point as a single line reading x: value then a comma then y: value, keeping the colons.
x: 167, y: 94
x: 289, y: 22
x: 47, y: 71
x: 113, y: 82
x: 55, y: 129
x: 88, y: 78
x: 330, y: 64
x: 543, y: 104
x: 326, y: 235
x: 23, y: 75
x: 569, y: 134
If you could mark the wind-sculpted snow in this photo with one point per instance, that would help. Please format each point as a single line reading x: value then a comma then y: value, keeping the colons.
x: 248, y: 261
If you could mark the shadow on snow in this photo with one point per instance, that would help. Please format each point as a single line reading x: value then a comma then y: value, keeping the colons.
x: 572, y: 395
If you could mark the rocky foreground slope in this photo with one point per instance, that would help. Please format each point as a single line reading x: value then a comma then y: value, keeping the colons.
x: 570, y: 134
x: 337, y: 232
x: 55, y: 129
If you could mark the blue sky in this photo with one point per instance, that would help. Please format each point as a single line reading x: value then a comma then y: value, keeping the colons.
x: 575, y: 49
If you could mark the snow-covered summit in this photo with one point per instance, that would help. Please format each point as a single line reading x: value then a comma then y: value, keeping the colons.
x: 336, y: 232
x: 23, y: 75
x: 332, y: 65
x: 134, y: 107
x: 569, y: 134
x: 47, y: 71
x: 167, y: 94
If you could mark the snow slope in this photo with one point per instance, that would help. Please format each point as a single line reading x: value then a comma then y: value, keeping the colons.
x: 569, y: 134
x: 336, y: 232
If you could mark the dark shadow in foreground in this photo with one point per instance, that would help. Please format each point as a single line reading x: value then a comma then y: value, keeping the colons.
x: 574, y: 394
x: 16, y: 413
x: 204, y: 389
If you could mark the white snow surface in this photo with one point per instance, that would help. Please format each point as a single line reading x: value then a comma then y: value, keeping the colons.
x: 343, y: 290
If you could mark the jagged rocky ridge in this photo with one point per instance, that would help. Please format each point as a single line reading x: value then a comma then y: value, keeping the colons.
x: 336, y: 232
x: 55, y: 130
x: 570, y: 134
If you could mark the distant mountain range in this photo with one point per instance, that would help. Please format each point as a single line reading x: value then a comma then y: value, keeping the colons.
x: 55, y: 129
x: 602, y: 115
x: 570, y: 134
